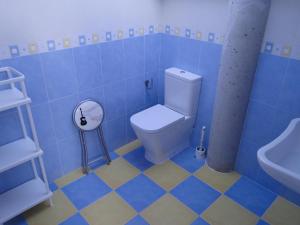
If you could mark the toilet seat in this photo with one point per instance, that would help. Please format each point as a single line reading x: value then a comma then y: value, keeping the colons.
x: 156, y: 118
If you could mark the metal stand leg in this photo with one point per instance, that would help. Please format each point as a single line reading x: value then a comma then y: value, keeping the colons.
x: 85, y: 167
x: 105, y: 150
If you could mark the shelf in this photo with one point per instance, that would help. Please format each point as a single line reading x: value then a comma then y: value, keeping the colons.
x: 21, y: 198
x: 17, y: 152
x: 11, y: 98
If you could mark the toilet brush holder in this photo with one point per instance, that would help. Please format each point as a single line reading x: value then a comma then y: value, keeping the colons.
x: 200, y: 151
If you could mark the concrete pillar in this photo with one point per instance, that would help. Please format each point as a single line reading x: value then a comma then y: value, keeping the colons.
x: 247, y: 21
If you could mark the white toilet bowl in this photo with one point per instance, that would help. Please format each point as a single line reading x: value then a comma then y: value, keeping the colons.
x: 164, y: 130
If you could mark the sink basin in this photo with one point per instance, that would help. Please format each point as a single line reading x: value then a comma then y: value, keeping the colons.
x: 281, y: 158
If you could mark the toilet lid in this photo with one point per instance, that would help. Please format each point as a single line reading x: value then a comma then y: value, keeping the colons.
x: 155, y: 118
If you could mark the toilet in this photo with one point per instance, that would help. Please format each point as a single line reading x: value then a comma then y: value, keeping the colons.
x: 165, y: 130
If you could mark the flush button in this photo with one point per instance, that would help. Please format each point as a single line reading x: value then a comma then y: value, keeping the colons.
x: 182, y: 71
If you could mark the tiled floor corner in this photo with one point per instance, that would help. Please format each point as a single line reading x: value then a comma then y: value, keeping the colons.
x: 182, y: 191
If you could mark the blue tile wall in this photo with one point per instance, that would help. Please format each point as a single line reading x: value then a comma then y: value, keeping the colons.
x: 113, y: 73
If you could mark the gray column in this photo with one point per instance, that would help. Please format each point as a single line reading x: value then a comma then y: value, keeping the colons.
x: 247, y: 21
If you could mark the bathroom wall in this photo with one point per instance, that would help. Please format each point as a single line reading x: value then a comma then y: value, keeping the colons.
x: 68, y: 64
x: 193, y: 40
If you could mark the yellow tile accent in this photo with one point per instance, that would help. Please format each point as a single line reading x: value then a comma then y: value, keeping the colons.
x: 69, y: 178
x: 128, y: 147
x: 283, y: 212
x: 226, y: 212
x: 168, y: 211
x: 167, y: 175
x: 219, y: 181
x: 33, y: 48
x: 141, y: 31
x: 43, y: 214
x: 286, y: 50
x: 117, y: 173
x: 120, y: 34
x: 198, y: 35
x: 66, y: 43
x: 177, y: 31
x: 95, y: 38
x: 110, y: 209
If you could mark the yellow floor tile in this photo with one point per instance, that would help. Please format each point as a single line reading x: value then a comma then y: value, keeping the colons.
x: 168, y: 211
x: 117, y: 173
x: 219, y: 181
x: 226, y: 212
x: 167, y: 175
x: 129, y: 147
x: 43, y: 214
x: 110, y: 209
x: 283, y: 212
x: 69, y: 178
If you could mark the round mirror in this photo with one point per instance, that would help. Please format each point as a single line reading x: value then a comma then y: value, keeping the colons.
x: 88, y: 115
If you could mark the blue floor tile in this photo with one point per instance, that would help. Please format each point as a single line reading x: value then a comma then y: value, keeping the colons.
x: 140, y: 192
x: 86, y: 190
x: 195, y: 194
x: 137, y: 221
x: 53, y: 187
x: 137, y: 158
x: 261, y: 222
x: 199, y: 221
x: 75, y: 220
x: 19, y: 220
x: 186, y: 159
x: 251, y: 195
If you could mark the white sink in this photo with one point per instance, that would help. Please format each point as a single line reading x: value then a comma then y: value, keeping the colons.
x: 281, y: 158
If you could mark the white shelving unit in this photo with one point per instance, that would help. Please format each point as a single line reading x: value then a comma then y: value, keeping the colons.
x: 17, y: 200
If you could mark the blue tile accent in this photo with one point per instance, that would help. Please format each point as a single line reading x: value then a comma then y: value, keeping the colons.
x: 138, y: 220
x: 134, y: 57
x: 199, y: 221
x: 152, y: 52
x: 10, y: 127
x: 31, y: 67
x: 70, y: 152
x: 135, y: 94
x: 115, y: 133
x: 188, y: 33
x: 87, y: 61
x: 115, y: 100
x: 53, y: 187
x: 168, y: 29
x: 170, y: 51
x: 86, y: 190
x: 51, y: 45
x: 19, y: 220
x: 136, y: 190
x: 131, y: 32
x: 137, y: 158
x: 251, y: 195
x: 189, y: 191
x: 77, y: 219
x: 151, y: 29
x: 211, y: 37
x: 108, y: 36
x: 52, y: 156
x: 14, y: 51
x: 186, y: 159
x: 289, y: 99
x: 82, y: 40
x: 60, y: 73
x: 112, y: 56
x: 62, y: 111
x: 268, y: 47
x: 270, y: 73
x: 262, y: 222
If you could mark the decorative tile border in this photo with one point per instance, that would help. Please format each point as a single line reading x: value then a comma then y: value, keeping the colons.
x: 13, y: 51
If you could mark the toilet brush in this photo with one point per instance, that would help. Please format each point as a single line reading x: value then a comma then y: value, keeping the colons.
x: 200, y: 151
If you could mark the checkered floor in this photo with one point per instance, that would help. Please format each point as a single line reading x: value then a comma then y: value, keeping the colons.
x: 182, y: 191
